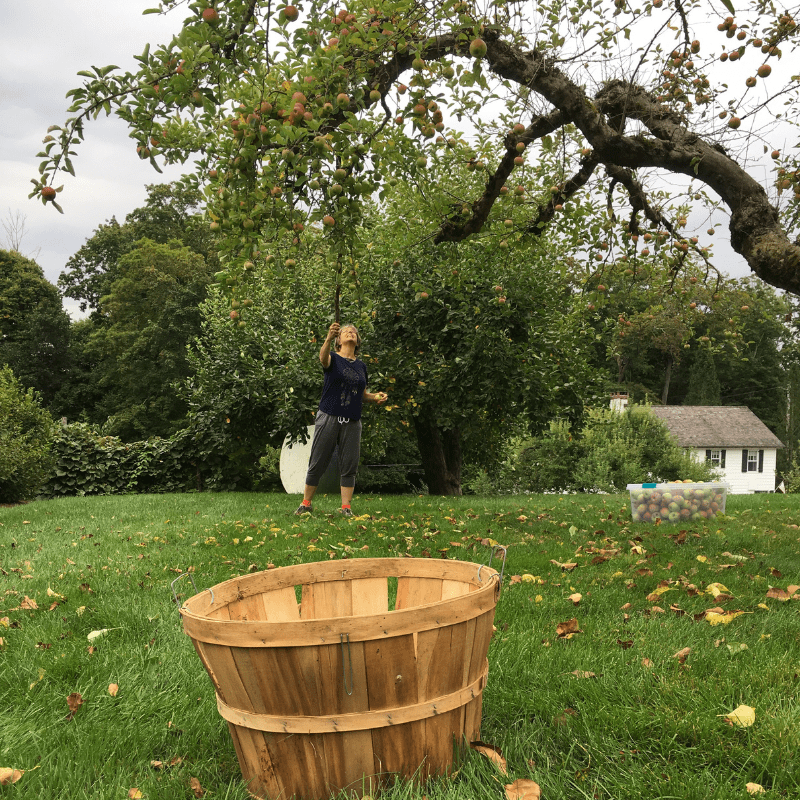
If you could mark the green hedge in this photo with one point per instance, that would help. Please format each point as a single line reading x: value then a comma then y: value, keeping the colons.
x: 199, y: 458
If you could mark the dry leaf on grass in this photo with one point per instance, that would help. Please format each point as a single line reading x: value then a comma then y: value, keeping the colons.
x: 777, y: 593
x: 494, y: 754
x: 197, y: 789
x: 579, y: 673
x: 566, y: 630
x: 74, y: 701
x: 523, y: 789
x: 135, y: 794
x: 715, y: 618
x: 743, y: 716
x: 8, y: 775
x: 576, y: 598
x: 566, y: 567
x: 29, y: 604
x: 754, y: 788
x: 646, y: 662
x: 681, y: 655
x: 113, y: 688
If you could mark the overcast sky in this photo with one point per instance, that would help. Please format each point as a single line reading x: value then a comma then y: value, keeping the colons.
x: 43, y: 44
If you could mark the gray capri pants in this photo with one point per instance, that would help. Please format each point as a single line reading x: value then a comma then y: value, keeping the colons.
x: 328, y: 432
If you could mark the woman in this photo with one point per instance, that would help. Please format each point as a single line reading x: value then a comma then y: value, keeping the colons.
x: 338, y: 420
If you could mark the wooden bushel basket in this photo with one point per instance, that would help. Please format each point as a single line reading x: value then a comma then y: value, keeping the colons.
x: 339, y: 691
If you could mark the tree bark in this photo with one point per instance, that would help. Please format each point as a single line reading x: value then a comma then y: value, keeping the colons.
x: 441, y: 456
x: 667, y: 378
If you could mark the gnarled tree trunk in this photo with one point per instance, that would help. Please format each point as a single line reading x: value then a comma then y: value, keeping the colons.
x: 441, y: 456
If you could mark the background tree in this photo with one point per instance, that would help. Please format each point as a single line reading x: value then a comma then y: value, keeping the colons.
x: 704, y: 388
x: 150, y: 314
x: 34, y: 329
x: 170, y: 213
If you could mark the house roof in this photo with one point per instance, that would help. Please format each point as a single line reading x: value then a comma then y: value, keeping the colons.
x: 716, y: 426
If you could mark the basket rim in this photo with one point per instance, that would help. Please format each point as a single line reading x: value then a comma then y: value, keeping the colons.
x: 329, y: 630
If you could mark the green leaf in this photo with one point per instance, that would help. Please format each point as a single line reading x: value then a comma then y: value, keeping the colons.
x: 151, y: 11
x: 729, y: 5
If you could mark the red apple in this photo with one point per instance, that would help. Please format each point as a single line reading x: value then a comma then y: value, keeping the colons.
x: 210, y: 15
x: 48, y: 193
x: 477, y: 48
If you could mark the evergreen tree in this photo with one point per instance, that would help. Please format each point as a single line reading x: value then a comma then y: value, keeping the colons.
x: 704, y: 388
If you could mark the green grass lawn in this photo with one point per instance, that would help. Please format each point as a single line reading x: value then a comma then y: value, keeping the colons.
x: 643, y: 725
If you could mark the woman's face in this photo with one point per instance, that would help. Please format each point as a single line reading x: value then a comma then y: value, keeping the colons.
x: 348, y: 334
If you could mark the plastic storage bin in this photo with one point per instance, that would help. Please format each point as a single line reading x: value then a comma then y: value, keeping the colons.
x: 676, y: 502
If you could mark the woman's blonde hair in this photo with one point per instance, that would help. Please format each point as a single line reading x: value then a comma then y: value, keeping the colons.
x: 358, y: 338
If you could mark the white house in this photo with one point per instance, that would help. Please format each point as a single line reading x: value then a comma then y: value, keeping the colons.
x: 733, y: 439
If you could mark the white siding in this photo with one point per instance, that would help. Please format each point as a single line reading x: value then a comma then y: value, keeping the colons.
x: 744, y: 482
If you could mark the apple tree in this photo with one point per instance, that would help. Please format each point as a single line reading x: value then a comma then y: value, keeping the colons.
x: 293, y: 113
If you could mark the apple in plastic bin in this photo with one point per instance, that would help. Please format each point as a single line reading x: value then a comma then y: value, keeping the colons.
x: 675, y: 502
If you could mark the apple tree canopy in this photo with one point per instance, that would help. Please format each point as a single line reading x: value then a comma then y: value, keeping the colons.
x: 294, y: 114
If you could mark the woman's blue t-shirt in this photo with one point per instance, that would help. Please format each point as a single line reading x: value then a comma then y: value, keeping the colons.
x: 343, y: 390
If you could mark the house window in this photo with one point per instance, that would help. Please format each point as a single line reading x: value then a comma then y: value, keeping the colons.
x: 752, y: 460
x: 716, y: 458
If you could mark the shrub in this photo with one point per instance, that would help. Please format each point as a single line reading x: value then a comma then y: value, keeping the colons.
x: 631, y: 447
x: 26, y: 433
x: 88, y: 463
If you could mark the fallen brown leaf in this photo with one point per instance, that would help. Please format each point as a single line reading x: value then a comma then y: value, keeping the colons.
x: 566, y: 567
x: 194, y: 785
x: 8, y: 775
x: 682, y: 654
x: 576, y: 598
x: 566, y: 630
x: 579, y: 673
x: 29, y: 604
x: 134, y: 794
x: 646, y: 662
x: 626, y: 644
x: 74, y: 701
x: 113, y: 688
x: 523, y: 789
x: 494, y: 754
